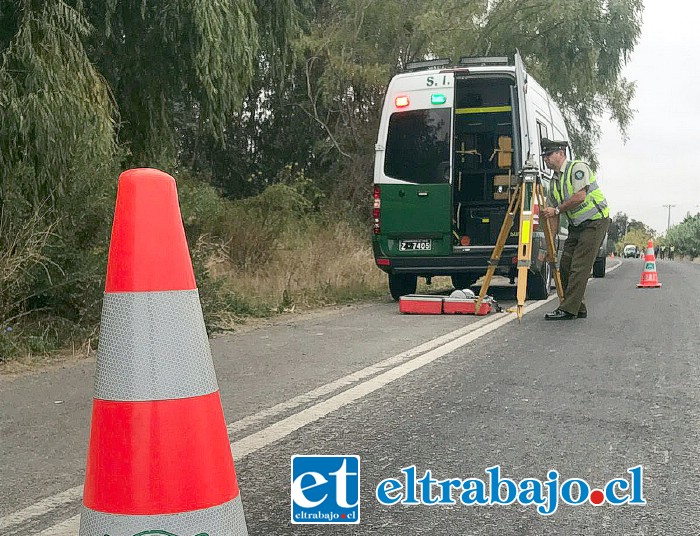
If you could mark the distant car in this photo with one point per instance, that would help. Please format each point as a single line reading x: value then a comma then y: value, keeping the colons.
x: 630, y: 250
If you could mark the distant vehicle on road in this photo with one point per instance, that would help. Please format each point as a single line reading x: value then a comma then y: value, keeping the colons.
x: 630, y: 250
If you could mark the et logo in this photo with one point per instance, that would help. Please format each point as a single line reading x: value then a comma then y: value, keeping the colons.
x: 325, y: 489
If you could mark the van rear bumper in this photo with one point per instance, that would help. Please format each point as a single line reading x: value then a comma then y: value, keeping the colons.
x: 475, y: 261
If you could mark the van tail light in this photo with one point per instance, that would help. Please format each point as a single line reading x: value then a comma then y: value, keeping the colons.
x: 376, y: 210
x: 401, y: 101
x: 535, y: 216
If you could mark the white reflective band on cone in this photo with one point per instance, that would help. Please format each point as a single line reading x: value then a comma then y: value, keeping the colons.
x: 224, y: 520
x: 153, y: 346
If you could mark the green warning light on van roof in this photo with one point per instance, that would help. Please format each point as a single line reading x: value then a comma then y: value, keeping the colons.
x: 438, y: 98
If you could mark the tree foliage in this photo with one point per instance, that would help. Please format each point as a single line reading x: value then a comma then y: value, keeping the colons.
x: 575, y: 48
x: 686, y: 236
x: 87, y: 88
x: 636, y: 236
x: 172, y: 61
x: 625, y: 230
x: 246, y: 94
x: 56, y: 115
x: 618, y: 227
x: 621, y: 224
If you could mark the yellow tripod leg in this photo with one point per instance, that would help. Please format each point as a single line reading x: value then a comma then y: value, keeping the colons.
x: 524, y: 248
x: 498, y: 250
x: 523, y: 201
x: 551, y: 250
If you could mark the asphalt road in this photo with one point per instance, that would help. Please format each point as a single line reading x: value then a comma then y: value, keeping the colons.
x: 590, y: 398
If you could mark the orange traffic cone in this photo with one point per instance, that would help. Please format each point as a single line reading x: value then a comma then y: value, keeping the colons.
x: 649, y: 277
x: 159, y: 459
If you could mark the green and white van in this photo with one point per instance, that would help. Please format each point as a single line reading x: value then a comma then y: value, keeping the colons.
x: 452, y: 141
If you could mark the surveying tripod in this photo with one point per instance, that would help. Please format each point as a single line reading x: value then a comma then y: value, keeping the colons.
x: 528, y: 188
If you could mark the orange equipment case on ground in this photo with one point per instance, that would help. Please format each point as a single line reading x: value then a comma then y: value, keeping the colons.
x: 428, y: 304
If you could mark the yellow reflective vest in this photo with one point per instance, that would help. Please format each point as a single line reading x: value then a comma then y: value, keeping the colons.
x: 594, y: 207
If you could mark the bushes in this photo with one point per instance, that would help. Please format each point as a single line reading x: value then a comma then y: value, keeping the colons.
x: 248, y: 231
x: 275, y: 252
x: 279, y: 251
x: 222, y: 306
x: 686, y: 236
x: 22, y: 252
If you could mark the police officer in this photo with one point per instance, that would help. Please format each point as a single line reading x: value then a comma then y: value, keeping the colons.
x: 574, y: 193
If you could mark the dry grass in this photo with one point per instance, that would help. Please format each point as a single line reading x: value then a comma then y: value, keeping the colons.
x: 324, y: 264
x: 315, y: 266
x: 254, y: 258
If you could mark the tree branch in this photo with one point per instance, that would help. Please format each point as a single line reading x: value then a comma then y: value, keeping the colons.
x: 313, y: 99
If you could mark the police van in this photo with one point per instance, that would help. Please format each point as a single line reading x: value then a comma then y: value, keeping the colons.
x: 452, y: 141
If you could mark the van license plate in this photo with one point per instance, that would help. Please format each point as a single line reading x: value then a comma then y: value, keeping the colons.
x: 415, y: 245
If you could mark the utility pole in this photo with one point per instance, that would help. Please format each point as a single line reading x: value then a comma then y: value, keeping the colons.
x: 668, y: 225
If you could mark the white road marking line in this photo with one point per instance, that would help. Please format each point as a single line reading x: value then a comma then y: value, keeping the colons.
x: 52, y: 503
x: 285, y: 427
x: 619, y: 263
x: 427, y: 353
x: 69, y: 527
x: 42, y: 507
x: 237, y: 427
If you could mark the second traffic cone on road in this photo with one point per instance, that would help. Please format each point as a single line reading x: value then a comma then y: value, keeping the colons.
x: 649, y: 278
x: 159, y: 459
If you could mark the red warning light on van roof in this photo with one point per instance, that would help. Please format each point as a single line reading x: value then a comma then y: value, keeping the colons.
x: 401, y: 101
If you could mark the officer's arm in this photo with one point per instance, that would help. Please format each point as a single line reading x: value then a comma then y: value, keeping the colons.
x: 574, y: 201
x: 548, y: 210
x: 553, y: 223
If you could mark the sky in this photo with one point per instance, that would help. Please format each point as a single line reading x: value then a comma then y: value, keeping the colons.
x: 660, y: 162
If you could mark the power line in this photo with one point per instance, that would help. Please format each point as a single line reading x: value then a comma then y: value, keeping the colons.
x: 668, y: 225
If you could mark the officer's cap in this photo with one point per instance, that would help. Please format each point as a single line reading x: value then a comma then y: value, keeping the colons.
x: 552, y: 145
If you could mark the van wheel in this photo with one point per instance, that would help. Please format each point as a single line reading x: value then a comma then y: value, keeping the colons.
x: 402, y: 284
x: 462, y: 281
x: 599, y: 267
x: 539, y: 283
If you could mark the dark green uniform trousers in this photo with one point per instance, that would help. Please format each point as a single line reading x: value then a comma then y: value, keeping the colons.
x: 580, y: 251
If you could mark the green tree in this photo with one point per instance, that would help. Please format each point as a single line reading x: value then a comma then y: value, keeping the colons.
x: 686, y: 236
x: 87, y: 88
x: 637, y: 236
x: 57, y: 148
x: 269, y: 130
x: 574, y: 48
x: 56, y: 115
x: 625, y: 230
x: 640, y: 226
x: 177, y: 65
x: 618, y: 227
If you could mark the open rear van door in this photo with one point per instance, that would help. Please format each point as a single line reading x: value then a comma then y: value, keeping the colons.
x: 523, y: 143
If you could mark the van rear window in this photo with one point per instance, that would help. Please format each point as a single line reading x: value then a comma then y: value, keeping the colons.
x: 418, y: 146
